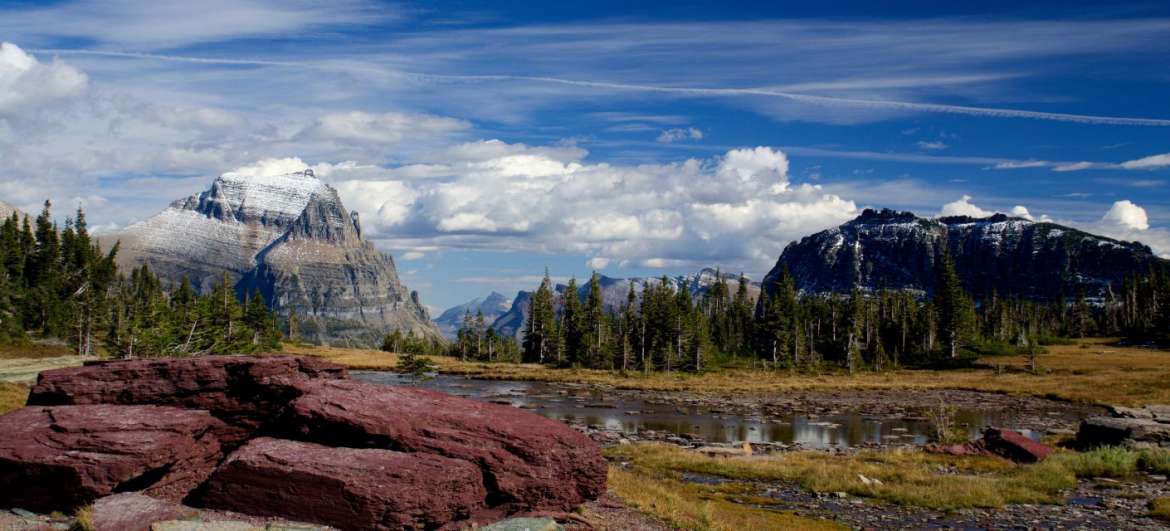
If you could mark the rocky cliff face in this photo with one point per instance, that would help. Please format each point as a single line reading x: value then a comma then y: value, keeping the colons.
x: 614, y: 293
x: 289, y: 237
x: 1010, y: 256
x: 492, y: 307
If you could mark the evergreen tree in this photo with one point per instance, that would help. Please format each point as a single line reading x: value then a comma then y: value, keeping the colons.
x: 572, y: 332
x: 540, y: 331
x: 955, y: 310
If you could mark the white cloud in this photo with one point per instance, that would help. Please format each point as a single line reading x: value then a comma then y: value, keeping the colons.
x: 269, y: 168
x: 381, y: 128
x: 674, y: 135
x: 413, y: 255
x: 597, y: 262
x: 1075, y: 166
x: 963, y: 207
x: 1148, y: 163
x: 1126, y: 215
x: 1017, y: 164
x: 1021, y: 211
x: 737, y: 208
x: 27, y: 84
x: 173, y: 23
x: 1128, y: 221
x: 931, y: 146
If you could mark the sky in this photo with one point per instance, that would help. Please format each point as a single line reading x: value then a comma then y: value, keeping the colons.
x: 484, y: 142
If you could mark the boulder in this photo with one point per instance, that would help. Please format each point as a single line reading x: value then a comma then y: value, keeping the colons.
x: 1122, y: 431
x: 348, y: 488
x: 60, y: 458
x: 243, y: 390
x: 529, y: 463
x: 998, y: 442
x: 1014, y: 446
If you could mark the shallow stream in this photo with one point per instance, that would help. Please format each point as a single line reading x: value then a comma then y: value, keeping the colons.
x: 619, y: 412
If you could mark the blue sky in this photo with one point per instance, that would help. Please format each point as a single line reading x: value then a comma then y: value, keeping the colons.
x: 482, y: 142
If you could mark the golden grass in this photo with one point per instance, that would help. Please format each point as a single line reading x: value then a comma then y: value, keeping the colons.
x: 34, y: 350
x: 1160, y: 508
x: 12, y: 396
x: 1096, y: 373
x: 907, y: 477
x: 687, y: 506
x: 83, y: 520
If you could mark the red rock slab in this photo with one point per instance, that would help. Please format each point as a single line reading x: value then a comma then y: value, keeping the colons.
x: 529, y: 463
x: 243, y: 390
x: 998, y: 442
x: 348, y: 488
x: 63, y: 457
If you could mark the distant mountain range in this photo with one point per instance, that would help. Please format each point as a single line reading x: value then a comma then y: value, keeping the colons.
x: 492, y: 307
x: 614, y: 292
x: 1007, y: 255
x: 290, y: 238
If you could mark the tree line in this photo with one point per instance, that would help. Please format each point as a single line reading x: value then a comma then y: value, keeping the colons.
x: 664, y: 327
x: 57, y: 284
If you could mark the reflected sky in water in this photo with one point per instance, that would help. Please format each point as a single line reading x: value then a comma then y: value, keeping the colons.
x: 582, y: 405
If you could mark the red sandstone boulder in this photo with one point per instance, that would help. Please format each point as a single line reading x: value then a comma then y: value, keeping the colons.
x: 529, y: 463
x: 349, y: 488
x: 59, y: 458
x: 242, y: 390
x: 999, y: 442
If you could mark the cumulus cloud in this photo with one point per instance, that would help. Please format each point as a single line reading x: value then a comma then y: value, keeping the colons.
x: 1021, y: 211
x: 1126, y: 220
x: 964, y: 207
x: 1126, y: 215
x: 26, y: 83
x: 674, y: 135
x: 737, y: 209
x: 1148, y: 163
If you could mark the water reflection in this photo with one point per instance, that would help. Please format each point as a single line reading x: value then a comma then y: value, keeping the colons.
x: 583, y: 405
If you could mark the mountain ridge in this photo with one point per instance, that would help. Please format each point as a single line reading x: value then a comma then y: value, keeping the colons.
x: 289, y: 237
x: 1007, y: 255
x: 614, y: 293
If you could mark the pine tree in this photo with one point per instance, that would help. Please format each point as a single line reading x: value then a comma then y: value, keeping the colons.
x: 955, y: 310
x: 540, y: 330
x: 572, y: 334
x: 594, y: 326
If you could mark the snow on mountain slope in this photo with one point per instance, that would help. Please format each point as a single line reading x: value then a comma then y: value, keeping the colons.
x: 288, y: 236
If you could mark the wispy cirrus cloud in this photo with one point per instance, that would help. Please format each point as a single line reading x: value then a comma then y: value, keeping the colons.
x: 893, y: 67
x: 166, y: 24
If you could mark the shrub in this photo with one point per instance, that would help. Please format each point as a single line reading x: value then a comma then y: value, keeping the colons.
x: 1104, y: 462
x: 1154, y: 461
x: 1160, y: 508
